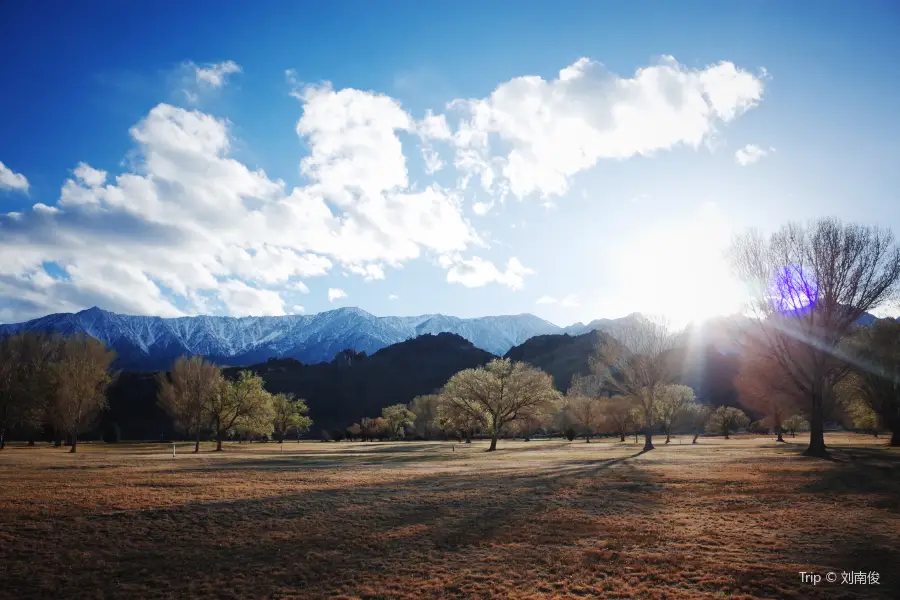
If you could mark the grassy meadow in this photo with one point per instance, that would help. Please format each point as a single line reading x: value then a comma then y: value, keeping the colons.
x: 738, y: 518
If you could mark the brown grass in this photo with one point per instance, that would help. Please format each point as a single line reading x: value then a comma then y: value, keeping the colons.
x: 544, y: 519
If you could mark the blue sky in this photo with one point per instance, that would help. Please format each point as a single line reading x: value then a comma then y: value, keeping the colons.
x: 609, y: 191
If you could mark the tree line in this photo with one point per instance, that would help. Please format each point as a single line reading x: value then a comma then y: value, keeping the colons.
x: 52, y: 380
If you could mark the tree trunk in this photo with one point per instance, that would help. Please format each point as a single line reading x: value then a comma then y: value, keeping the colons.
x: 667, y: 437
x: 895, y: 437
x: 648, y: 439
x: 218, y: 435
x: 816, y: 430
x: 621, y: 437
x: 219, y: 444
x: 493, y: 443
x: 74, y: 444
x: 2, y: 439
x: 197, y: 443
x: 696, y: 435
x: 778, y: 431
x: 726, y: 436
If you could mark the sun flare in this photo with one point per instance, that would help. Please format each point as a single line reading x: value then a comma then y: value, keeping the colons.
x: 680, y: 272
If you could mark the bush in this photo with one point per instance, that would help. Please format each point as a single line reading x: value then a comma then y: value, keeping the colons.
x: 337, y: 435
x: 113, y: 434
x: 570, y: 433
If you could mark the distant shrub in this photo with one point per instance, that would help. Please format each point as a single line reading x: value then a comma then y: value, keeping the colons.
x: 570, y: 433
x: 758, y: 427
x: 337, y: 435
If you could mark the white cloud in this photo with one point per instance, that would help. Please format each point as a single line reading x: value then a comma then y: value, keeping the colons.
x: 10, y: 180
x: 299, y: 286
x: 215, y: 74
x: 482, y: 208
x: 240, y: 299
x: 750, y: 154
x: 367, y: 272
x: 298, y: 309
x: 393, y: 297
x: 90, y: 176
x: 335, y: 294
x: 477, y: 272
x: 546, y: 300
x: 555, y: 129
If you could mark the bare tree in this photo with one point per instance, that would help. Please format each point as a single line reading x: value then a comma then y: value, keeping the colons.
x: 500, y: 393
x: 618, y: 412
x: 244, y: 404
x: 637, y: 365
x: 875, y: 380
x: 727, y: 419
x: 185, y: 394
x: 289, y: 414
x: 81, y: 375
x: 26, y: 380
x: 671, y: 403
x: 764, y: 386
x: 587, y: 413
x: 808, y: 285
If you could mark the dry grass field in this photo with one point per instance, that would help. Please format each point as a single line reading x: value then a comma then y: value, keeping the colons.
x: 737, y: 518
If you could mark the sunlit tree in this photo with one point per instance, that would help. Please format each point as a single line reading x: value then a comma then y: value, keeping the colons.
x: 289, y: 414
x: 425, y: 409
x: 671, y: 403
x: 499, y: 393
x: 726, y: 420
x: 398, y: 417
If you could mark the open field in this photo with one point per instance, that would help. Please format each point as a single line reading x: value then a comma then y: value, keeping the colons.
x: 735, y: 518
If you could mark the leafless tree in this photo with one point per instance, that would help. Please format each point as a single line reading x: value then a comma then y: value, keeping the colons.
x: 764, y: 386
x: 637, y: 365
x: 499, y: 393
x: 587, y: 413
x: 81, y: 375
x: 807, y: 286
x: 185, y: 393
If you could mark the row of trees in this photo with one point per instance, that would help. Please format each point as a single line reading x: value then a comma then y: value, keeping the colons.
x: 201, y: 399
x: 511, y: 398
x: 55, y: 380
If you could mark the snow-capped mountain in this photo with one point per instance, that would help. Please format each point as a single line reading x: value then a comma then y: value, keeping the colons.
x: 154, y: 342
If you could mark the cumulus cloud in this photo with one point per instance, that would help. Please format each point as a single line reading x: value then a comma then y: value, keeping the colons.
x: 551, y: 130
x: 215, y: 74
x: 750, y: 154
x: 189, y: 217
x: 477, y: 272
x: 336, y: 294
x: 188, y: 228
x: 240, y: 299
x: 10, y: 180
